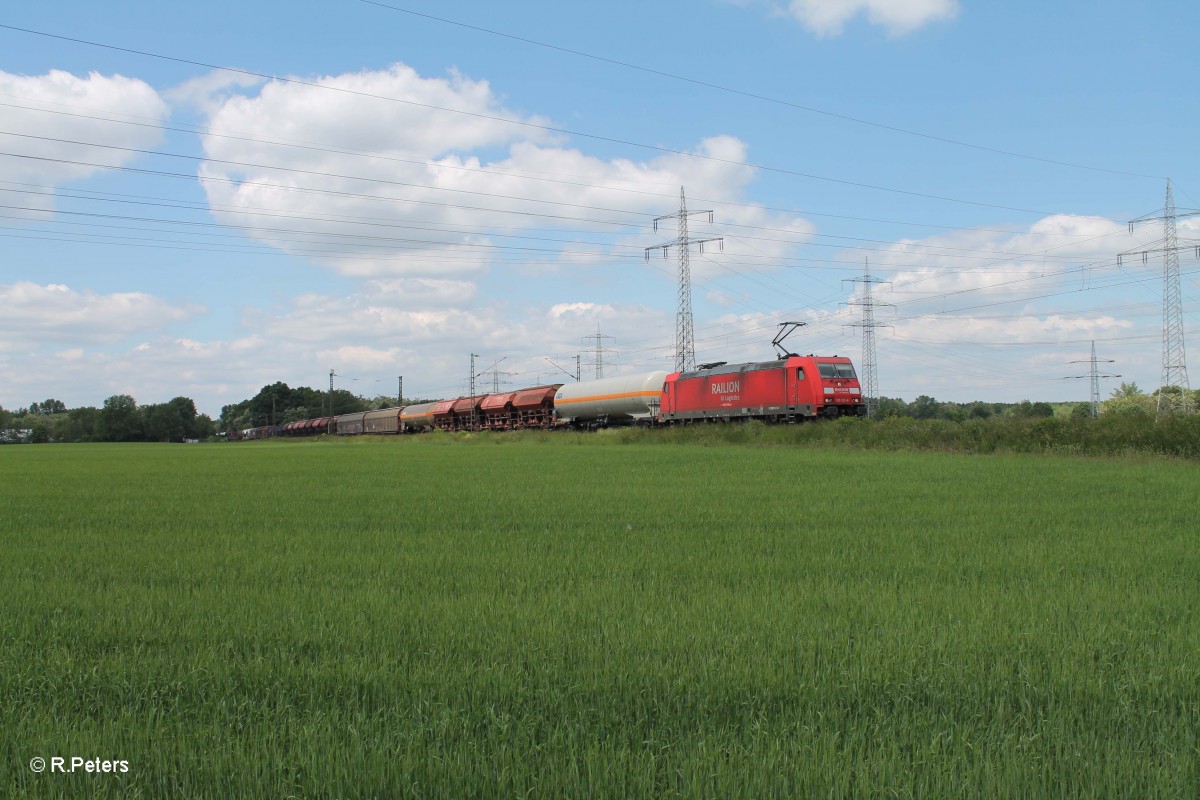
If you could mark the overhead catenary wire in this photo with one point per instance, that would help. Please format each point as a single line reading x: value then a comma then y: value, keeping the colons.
x: 756, y: 95
x: 530, y: 125
x: 612, y: 186
x: 745, y: 264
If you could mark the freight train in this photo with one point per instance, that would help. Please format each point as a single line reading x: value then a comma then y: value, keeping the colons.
x: 787, y: 389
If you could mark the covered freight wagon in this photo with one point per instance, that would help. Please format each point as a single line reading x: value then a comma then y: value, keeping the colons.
x: 350, y: 424
x: 385, y: 420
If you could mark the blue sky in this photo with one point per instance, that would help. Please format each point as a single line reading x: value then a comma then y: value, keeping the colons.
x: 413, y: 191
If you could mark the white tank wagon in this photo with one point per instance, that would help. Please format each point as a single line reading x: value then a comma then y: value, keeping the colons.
x: 620, y: 400
x: 417, y: 418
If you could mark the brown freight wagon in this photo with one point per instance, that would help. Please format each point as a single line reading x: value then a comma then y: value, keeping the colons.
x: 443, y: 416
x: 464, y: 413
x: 534, y: 408
x: 385, y: 420
x: 497, y: 411
x: 350, y: 424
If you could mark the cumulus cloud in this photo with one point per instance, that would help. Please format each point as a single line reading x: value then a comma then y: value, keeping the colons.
x: 62, y: 106
x: 207, y: 92
x: 35, y: 313
x: 1054, y: 250
x: 829, y: 17
x: 400, y: 188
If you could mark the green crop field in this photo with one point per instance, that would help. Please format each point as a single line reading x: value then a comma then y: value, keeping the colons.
x: 596, y: 617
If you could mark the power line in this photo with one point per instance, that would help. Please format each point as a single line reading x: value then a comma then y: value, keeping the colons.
x: 757, y: 96
x: 527, y: 175
x: 527, y: 124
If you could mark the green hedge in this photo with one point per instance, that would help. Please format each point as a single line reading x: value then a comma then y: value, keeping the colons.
x: 1111, y: 435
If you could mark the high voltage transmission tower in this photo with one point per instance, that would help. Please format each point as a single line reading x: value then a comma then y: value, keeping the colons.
x: 496, y: 376
x: 685, y: 338
x: 599, y: 350
x: 1094, y: 375
x: 1174, y: 394
x: 870, y: 366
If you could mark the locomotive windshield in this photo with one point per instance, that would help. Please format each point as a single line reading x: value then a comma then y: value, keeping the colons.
x: 835, y: 371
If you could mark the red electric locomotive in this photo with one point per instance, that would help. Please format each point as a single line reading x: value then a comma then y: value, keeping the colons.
x: 786, y: 390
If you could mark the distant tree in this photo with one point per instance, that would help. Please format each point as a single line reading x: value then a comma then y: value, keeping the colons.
x: 77, y: 425
x: 282, y: 404
x: 119, y: 419
x: 41, y: 431
x: 6, y: 418
x: 892, y: 407
x: 953, y: 411
x: 1081, y: 410
x: 382, y: 401
x: 47, y: 407
x: 346, y: 402
x: 924, y: 407
x: 1028, y: 410
x: 205, y: 427
x: 159, y: 423
x: 172, y: 421
x: 1128, y: 400
x: 294, y: 414
x: 979, y: 410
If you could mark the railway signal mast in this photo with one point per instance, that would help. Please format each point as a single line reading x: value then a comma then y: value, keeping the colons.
x: 685, y: 338
x: 1174, y: 394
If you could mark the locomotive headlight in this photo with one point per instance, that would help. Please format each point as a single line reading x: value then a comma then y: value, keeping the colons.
x: 828, y: 390
x: 854, y: 391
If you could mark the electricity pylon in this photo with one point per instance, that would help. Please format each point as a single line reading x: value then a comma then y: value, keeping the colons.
x: 685, y: 337
x: 1174, y: 394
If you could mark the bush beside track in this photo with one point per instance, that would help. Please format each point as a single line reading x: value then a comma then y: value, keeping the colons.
x: 1105, y: 436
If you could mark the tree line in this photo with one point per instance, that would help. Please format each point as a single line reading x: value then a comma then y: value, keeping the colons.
x: 280, y: 404
x: 120, y: 419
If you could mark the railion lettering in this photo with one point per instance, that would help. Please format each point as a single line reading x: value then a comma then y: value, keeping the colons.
x: 728, y: 387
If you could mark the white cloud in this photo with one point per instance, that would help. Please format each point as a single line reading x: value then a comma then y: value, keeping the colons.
x: 62, y: 106
x: 34, y: 314
x: 399, y: 189
x: 208, y: 92
x: 829, y: 17
x: 1055, y: 250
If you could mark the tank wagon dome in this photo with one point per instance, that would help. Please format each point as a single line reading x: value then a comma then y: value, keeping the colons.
x: 622, y: 399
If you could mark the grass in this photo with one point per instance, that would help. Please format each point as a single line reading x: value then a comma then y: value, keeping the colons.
x: 443, y: 617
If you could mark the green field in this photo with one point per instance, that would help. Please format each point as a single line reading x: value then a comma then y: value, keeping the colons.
x: 579, y: 617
